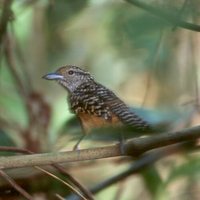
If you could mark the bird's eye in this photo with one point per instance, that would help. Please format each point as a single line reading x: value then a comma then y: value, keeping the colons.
x: 70, y: 72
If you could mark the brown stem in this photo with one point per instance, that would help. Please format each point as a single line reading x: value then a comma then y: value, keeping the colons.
x: 134, y: 147
x: 15, y: 185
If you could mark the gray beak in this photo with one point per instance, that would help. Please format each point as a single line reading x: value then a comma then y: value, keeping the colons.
x: 53, y: 76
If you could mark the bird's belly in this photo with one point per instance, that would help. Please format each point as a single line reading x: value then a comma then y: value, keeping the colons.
x: 90, y: 122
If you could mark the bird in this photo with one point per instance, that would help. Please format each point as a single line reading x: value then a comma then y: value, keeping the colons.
x: 95, y: 105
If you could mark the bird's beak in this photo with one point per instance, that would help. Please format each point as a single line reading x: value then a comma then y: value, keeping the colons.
x: 53, y: 76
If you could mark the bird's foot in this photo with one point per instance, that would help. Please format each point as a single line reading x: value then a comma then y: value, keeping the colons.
x: 76, y: 147
x: 121, y: 143
x: 121, y: 146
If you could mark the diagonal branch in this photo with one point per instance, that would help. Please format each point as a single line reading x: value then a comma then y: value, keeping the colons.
x: 135, y: 147
x: 166, y: 15
x: 75, y: 182
x: 137, y: 166
x: 15, y: 185
x: 60, y: 168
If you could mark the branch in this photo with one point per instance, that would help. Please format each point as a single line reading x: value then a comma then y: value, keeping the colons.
x: 15, y: 185
x: 168, y: 16
x: 139, y: 165
x: 70, y: 178
x: 135, y: 167
x: 134, y: 147
x: 77, y: 192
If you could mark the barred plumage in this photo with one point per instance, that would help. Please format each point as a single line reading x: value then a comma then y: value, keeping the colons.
x: 93, y: 103
x: 97, y: 100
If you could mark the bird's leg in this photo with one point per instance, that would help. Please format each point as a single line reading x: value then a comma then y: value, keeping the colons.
x: 77, y: 144
x: 121, y: 142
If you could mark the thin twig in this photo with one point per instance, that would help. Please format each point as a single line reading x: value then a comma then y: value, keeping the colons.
x: 15, y: 149
x: 15, y: 185
x: 84, y: 190
x: 180, y: 12
x: 59, y: 179
x: 134, y: 147
x: 166, y: 15
x: 59, y: 197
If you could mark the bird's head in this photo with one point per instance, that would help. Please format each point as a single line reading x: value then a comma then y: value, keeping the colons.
x: 70, y: 77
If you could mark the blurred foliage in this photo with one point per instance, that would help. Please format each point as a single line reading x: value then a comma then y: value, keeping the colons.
x: 149, y: 62
x: 128, y: 39
x: 58, y: 14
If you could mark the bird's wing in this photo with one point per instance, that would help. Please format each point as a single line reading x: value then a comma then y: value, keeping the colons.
x: 97, y: 100
x: 121, y: 110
